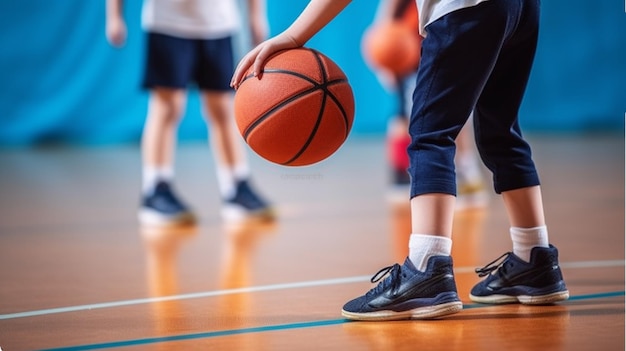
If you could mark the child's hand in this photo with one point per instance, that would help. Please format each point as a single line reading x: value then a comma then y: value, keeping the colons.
x: 257, y: 57
x: 116, y: 32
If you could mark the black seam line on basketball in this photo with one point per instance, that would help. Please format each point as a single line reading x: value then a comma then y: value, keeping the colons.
x: 267, y: 114
x: 324, y: 84
x: 344, y: 115
x: 300, y: 75
x: 291, y: 73
x: 324, y: 87
x: 246, y: 78
x: 272, y: 70
x: 318, y: 57
x: 313, y: 132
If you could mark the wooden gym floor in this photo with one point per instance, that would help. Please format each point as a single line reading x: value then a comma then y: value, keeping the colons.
x: 77, y: 272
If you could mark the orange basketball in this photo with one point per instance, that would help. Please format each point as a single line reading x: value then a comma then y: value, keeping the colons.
x: 393, y: 46
x: 299, y: 112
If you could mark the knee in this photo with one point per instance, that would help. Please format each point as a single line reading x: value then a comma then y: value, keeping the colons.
x: 218, y: 110
x: 166, y: 108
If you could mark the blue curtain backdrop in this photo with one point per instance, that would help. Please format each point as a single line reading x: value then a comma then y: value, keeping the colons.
x: 62, y: 82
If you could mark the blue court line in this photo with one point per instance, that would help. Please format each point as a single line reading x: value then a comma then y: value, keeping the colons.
x: 267, y: 328
x: 201, y: 335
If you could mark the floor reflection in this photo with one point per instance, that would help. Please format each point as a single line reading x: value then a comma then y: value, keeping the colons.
x: 440, y: 334
x: 230, y: 309
x: 536, y: 327
x: 163, y: 245
x: 242, y: 240
x: 458, y: 331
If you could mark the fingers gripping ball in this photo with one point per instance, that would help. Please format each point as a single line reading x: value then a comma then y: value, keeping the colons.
x: 392, y: 46
x: 299, y: 112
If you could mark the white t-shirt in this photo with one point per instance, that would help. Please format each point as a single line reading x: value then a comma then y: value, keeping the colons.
x: 432, y: 10
x: 192, y: 19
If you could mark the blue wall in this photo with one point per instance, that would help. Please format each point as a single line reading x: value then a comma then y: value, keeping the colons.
x: 62, y: 82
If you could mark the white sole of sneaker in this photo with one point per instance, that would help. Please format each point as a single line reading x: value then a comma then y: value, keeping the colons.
x: 523, y: 299
x: 153, y: 218
x: 232, y: 213
x: 544, y: 299
x: 429, y: 312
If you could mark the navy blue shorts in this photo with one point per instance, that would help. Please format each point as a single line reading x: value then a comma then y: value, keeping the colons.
x: 477, y: 59
x: 174, y: 62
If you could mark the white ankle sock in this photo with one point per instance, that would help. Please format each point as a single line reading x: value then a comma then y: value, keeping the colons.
x: 422, y: 247
x: 524, y: 239
x: 227, y: 178
x: 151, y: 175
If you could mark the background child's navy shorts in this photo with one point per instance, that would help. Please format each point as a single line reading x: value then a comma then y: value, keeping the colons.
x: 174, y: 62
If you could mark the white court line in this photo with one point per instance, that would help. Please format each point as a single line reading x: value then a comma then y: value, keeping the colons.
x: 187, y: 296
x: 307, y: 284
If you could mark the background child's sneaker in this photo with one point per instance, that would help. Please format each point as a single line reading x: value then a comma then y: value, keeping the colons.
x: 539, y: 281
x: 162, y: 207
x: 246, y: 204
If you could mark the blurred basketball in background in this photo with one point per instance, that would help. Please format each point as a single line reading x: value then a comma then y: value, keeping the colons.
x: 300, y: 110
x: 393, y: 46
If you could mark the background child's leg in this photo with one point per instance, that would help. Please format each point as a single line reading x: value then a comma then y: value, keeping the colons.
x: 471, y: 185
x: 233, y: 174
x: 227, y: 145
x: 158, y: 143
x: 398, y: 139
x: 160, y: 205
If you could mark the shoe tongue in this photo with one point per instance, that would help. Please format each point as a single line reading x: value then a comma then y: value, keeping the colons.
x: 161, y: 186
x: 409, y: 265
x: 518, y: 260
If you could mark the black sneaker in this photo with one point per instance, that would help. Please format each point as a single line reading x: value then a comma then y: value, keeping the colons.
x: 408, y: 293
x: 513, y: 280
x: 246, y: 204
x: 162, y: 207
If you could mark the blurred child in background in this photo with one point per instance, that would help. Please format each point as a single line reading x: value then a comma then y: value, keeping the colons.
x: 471, y: 188
x: 190, y: 44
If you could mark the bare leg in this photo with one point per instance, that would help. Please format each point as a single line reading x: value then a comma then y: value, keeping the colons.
x: 159, y: 205
x: 224, y: 136
x: 524, y: 207
x: 241, y: 201
x: 159, y: 134
x: 432, y: 214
